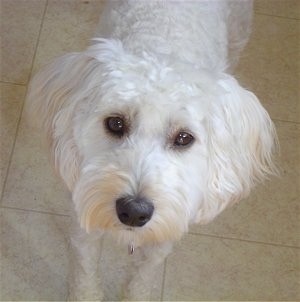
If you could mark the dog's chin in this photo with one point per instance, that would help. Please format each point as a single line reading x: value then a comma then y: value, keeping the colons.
x: 132, y: 237
x: 143, y: 236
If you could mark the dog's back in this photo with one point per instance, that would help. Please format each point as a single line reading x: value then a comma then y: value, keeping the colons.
x: 209, y: 34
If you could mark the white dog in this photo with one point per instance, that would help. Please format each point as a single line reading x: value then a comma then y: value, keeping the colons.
x: 149, y: 131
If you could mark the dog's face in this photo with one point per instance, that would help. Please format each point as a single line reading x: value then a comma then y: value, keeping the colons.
x: 144, y: 165
x: 148, y: 147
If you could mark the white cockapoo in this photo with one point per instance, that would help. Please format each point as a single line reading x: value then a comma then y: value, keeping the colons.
x: 150, y: 132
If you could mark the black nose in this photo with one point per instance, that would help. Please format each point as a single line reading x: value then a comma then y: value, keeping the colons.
x: 134, y: 211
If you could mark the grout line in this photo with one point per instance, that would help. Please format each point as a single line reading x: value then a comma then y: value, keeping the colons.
x: 34, y: 211
x: 23, y: 103
x: 12, y: 83
x: 285, y: 121
x: 276, y: 16
x: 37, y: 42
x: 162, y: 293
x: 244, y: 240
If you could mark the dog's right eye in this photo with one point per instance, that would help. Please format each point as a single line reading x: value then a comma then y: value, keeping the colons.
x: 115, y: 125
x: 183, y: 139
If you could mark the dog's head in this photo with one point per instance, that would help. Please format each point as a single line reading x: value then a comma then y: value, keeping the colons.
x: 148, y: 146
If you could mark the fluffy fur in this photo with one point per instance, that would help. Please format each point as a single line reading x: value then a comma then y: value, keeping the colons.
x: 164, y: 67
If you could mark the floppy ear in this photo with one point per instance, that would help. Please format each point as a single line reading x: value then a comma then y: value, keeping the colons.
x: 242, y: 141
x: 51, y: 102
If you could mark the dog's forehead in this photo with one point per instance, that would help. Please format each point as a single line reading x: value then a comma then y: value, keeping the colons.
x: 160, y: 114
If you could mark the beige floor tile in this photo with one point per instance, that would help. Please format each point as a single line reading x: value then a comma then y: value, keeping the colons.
x: 204, y: 268
x: 68, y: 26
x: 20, y: 22
x: 271, y: 213
x: 282, y: 8
x: 31, y: 182
x: 116, y: 267
x: 11, y: 103
x: 270, y: 66
x: 33, y: 256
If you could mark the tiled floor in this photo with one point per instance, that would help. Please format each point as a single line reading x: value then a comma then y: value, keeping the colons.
x: 251, y: 252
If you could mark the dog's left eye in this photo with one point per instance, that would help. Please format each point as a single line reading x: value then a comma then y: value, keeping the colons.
x: 183, y: 139
x: 115, y: 125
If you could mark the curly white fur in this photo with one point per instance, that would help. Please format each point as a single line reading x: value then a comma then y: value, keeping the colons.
x: 163, y: 66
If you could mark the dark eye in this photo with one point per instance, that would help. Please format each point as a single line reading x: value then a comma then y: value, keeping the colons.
x: 115, y: 125
x: 183, y: 139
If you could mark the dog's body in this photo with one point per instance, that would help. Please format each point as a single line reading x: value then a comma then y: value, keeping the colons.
x: 181, y: 29
x: 149, y: 132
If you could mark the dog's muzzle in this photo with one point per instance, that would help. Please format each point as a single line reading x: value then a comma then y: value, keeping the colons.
x: 134, y: 211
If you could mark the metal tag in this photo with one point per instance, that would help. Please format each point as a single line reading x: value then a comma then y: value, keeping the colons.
x: 131, y: 248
